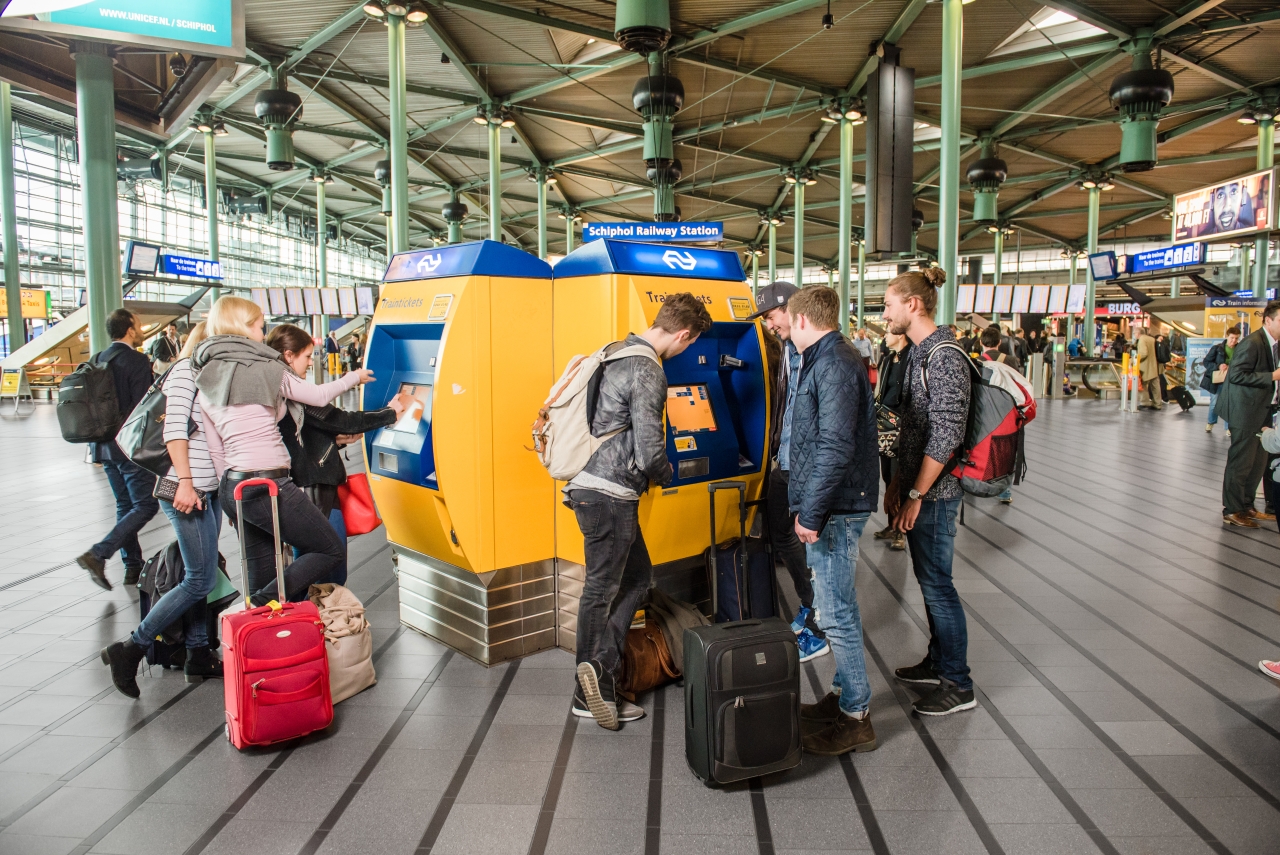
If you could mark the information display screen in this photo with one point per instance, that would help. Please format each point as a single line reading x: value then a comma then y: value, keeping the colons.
x: 275, y: 296
x: 689, y: 409
x: 1040, y: 299
x: 347, y: 302
x: 1021, y: 299
x: 421, y: 394
x: 329, y: 301
x: 293, y: 296
x: 141, y: 259
x: 1057, y: 299
x: 364, y: 300
x: 1075, y: 299
x: 982, y: 302
x: 311, y: 300
x: 259, y: 296
x: 1004, y: 299
x: 964, y: 299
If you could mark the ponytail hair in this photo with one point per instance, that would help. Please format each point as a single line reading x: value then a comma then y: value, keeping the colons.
x: 923, y: 284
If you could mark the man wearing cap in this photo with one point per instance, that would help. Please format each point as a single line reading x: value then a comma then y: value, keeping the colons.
x: 771, y: 308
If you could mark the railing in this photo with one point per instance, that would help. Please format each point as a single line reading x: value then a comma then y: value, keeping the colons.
x: 1096, y: 375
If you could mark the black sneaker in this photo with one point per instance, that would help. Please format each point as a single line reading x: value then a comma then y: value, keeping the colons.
x: 945, y: 700
x: 597, y: 691
x: 97, y: 570
x: 124, y: 657
x: 918, y: 675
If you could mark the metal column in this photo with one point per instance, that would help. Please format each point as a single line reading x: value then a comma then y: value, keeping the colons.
x: 773, y: 253
x: 1262, y: 243
x: 322, y: 230
x: 495, y: 182
x: 862, y: 280
x: 568, y: 234
x: 96, y: 115
x: 399, y: 148
x: 542, y: 216
x: 8, y: 216
x: 1090, y: 288
x: 755, y: 273
x: 797, y: 251
x: 995, y: 275
x: 211, y: 202
x: 949, y: 157
x: 844, y: 236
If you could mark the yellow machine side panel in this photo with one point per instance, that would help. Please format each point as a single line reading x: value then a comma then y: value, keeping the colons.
x: 524, y: 495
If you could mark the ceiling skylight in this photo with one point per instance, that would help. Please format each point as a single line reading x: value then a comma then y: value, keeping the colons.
x: 1047, y: 28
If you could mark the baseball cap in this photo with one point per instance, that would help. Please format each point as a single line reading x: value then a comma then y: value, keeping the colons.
x: 772, y: 296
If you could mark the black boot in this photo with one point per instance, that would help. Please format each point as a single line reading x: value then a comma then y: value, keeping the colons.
x: 202, y: 664
x: 124, y: 658
x: 131, y: 575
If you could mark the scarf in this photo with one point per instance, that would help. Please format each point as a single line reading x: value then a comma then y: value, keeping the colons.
x: 231, y: 370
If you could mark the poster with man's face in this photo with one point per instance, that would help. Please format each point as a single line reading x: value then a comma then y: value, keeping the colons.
x: 1239, y: 206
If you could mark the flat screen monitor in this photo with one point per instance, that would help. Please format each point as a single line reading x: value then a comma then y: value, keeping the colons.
x: 1004, y: 299
x: 275, y: 297
x: 1103, y: 265
x: 293, y: 296
x: 311, y: 300
x: 1057, y: 299
x: 982, y: 301
x: 1021, y: 298
x: 1040, y: 299
x: 140, y: 259
x: 364, y: 300
x: 347, y: 302
x: 329, y: 300
x: 689, y: 409
x: 259, y: 296
x: 413, y: 414
x: 964, y: 299
x: 1075, y: 299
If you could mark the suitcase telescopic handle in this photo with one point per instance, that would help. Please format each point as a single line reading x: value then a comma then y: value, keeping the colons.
x: 713, y: 488
x: 273, y: 491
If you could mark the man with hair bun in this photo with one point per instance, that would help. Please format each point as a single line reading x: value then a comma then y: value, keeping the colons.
x: 925, y: 497
x: 833, y: 489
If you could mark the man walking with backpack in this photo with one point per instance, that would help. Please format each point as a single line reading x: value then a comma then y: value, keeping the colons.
x: 833, y: 489
x: 131, y: 484
x: 605, y: 498
x: 925, y: 497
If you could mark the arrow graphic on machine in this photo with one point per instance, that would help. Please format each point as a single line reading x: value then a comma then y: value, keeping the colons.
x: 429, y: 262
x: 684, y: 260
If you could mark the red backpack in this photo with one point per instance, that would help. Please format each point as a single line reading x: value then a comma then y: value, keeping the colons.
x: 1000, y: 404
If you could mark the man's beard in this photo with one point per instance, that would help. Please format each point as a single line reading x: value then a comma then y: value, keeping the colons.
x: 898, y: 328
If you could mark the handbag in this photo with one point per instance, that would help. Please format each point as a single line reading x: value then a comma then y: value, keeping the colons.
x: 355, y: 500
x: 141, y: 437
x: 646, y: 661
x: 887, y: 430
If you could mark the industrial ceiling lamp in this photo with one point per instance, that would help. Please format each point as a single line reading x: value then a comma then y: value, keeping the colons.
x: 177, y: 65
x: 416, y: 12
x: 382, y: 174
x: 1139, y: 95
x: 985, y: 175
x: 658, y: 96
x: 202, y: 124
x: 828, y: 20
x: 1247, y: 118
x: 1105, y: 183
x: 397, y: 7
x: 855, y: 112
x: 506, y: 119
x: 375, y: 9
x: 220, y: 128
x: 642, y: 26
x: 278, y: 109
x: 810, y: 179
x: 551, y: 179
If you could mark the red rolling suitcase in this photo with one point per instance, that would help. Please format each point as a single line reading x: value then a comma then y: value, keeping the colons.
x: 276, y: 670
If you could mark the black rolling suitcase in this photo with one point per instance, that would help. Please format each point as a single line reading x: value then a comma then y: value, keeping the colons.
x: 1183, y: 398
x: 744, y: 582
x: 741, y: 688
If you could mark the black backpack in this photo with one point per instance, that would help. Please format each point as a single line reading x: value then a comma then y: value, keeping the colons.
x: 88, y: 407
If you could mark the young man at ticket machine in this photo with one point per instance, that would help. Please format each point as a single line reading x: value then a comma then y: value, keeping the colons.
x: 605, y: 498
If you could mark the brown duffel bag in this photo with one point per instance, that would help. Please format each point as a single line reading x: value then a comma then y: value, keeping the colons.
x: 646, y: 661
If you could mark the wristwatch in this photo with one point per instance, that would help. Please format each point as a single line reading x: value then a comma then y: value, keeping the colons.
x: 915, y: 494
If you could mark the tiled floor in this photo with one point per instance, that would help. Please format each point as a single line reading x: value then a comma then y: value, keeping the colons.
x: 1114, y: 630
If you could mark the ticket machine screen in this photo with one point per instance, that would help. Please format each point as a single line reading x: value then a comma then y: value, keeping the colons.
x: 421, y: 394
x: 689, y: 409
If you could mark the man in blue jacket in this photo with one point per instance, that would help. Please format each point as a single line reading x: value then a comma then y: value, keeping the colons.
x: 835, y: 484
x: 130, y: 483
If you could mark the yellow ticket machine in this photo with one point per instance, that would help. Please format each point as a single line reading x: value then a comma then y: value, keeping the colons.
x: 717, y: 399
x: 466, y: 331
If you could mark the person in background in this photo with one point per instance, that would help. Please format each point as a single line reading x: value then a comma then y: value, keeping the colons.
x: 1247, y: 402
x: 197, y: 520
x: 968, y: 341
x: 245, y: 390
x: 164, y: 349
x: 314, y: 437
x: 833, y: 490
x: 354, y: 352
x: 333, y: 354
x: 925, y: 498
x: 1164, y: 355
x: 991, y: 353
x: 1119, y: 347
x: 1216, y: 361
x: 131, y: 485
x: 1149, y: 368
x: 891, y: 394
x: 862, y: 345
x: 1075, y: 347
x: 1021, y: 350
x: 771, y: 308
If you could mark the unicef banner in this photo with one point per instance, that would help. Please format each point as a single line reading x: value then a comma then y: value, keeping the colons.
x: 660, y: 232
x: 1197, y: 350
x: 215, y: 26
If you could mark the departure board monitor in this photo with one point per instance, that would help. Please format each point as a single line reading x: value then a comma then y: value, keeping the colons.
x: 412, y: 417
x: 689, y: 409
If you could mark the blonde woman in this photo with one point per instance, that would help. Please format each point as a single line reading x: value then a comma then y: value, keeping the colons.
x: 197, y: 520
x: 245, y: 390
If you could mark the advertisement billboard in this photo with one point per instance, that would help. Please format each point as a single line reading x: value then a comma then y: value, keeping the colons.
x: 1240, y: 206
x: 205, y: 27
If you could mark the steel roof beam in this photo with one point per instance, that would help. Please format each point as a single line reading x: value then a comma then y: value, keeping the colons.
x: 1224, y: 26
x: 759, y: 73
x: 1186, y: 15
x: 1031, y: 60
x: 1208, y: 69
x: 529, y: 17
x: 382, y: 83
x: 1089, y: 16
x: 1072, y: 81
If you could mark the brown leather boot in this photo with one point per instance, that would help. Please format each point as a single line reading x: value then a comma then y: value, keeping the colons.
x: 845, y: 735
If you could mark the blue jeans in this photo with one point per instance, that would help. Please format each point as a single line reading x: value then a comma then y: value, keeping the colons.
x: 932, y: 542
x: 1213, y: 410
x: 198, y: 542
x: 834, y: 559
x: 135, y: 506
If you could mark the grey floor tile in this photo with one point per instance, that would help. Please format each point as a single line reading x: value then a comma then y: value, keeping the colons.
x: 415, y: 769
x: 1244, y: 825
x: 700, y: 810
x: 72, y: 812
x: 39, y: 709
x: 494, y: 782
x: 1185, y: 776
x: 1161, y: 845
x: 985, y: 758
x: 594, y: 795
x: 705, y: 844
x: 1022, y: 839
x: 440, y: 732
x: 158, y: 829
x: 1016, y: 800
x: 261, y: 838
x: 487, y: 830
x: 616, y: 751
x: 817, y: 823
x: 1148, y: 738
x: 521, y: 743
x: 911, y: 831
x: 1115, y: 705
x: 381, y: 820
x: 593, y: 836
x: 53, y: 755
x: 1058, y: 731
x: 1129, y: 813
x: 903, y: 787
x: 26, y: 844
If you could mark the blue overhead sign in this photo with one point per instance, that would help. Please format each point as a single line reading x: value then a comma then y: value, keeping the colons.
x: 655, y: 232
x: 185, y: 265
x: 650, y: 259
x: 1180, y: 255
x: 479, y: 258
x: 1103, y: 266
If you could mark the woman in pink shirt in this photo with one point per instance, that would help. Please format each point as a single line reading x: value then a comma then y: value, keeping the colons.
x: 245, y: 389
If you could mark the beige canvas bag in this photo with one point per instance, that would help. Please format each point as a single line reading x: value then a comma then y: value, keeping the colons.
x: 347, y: 639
